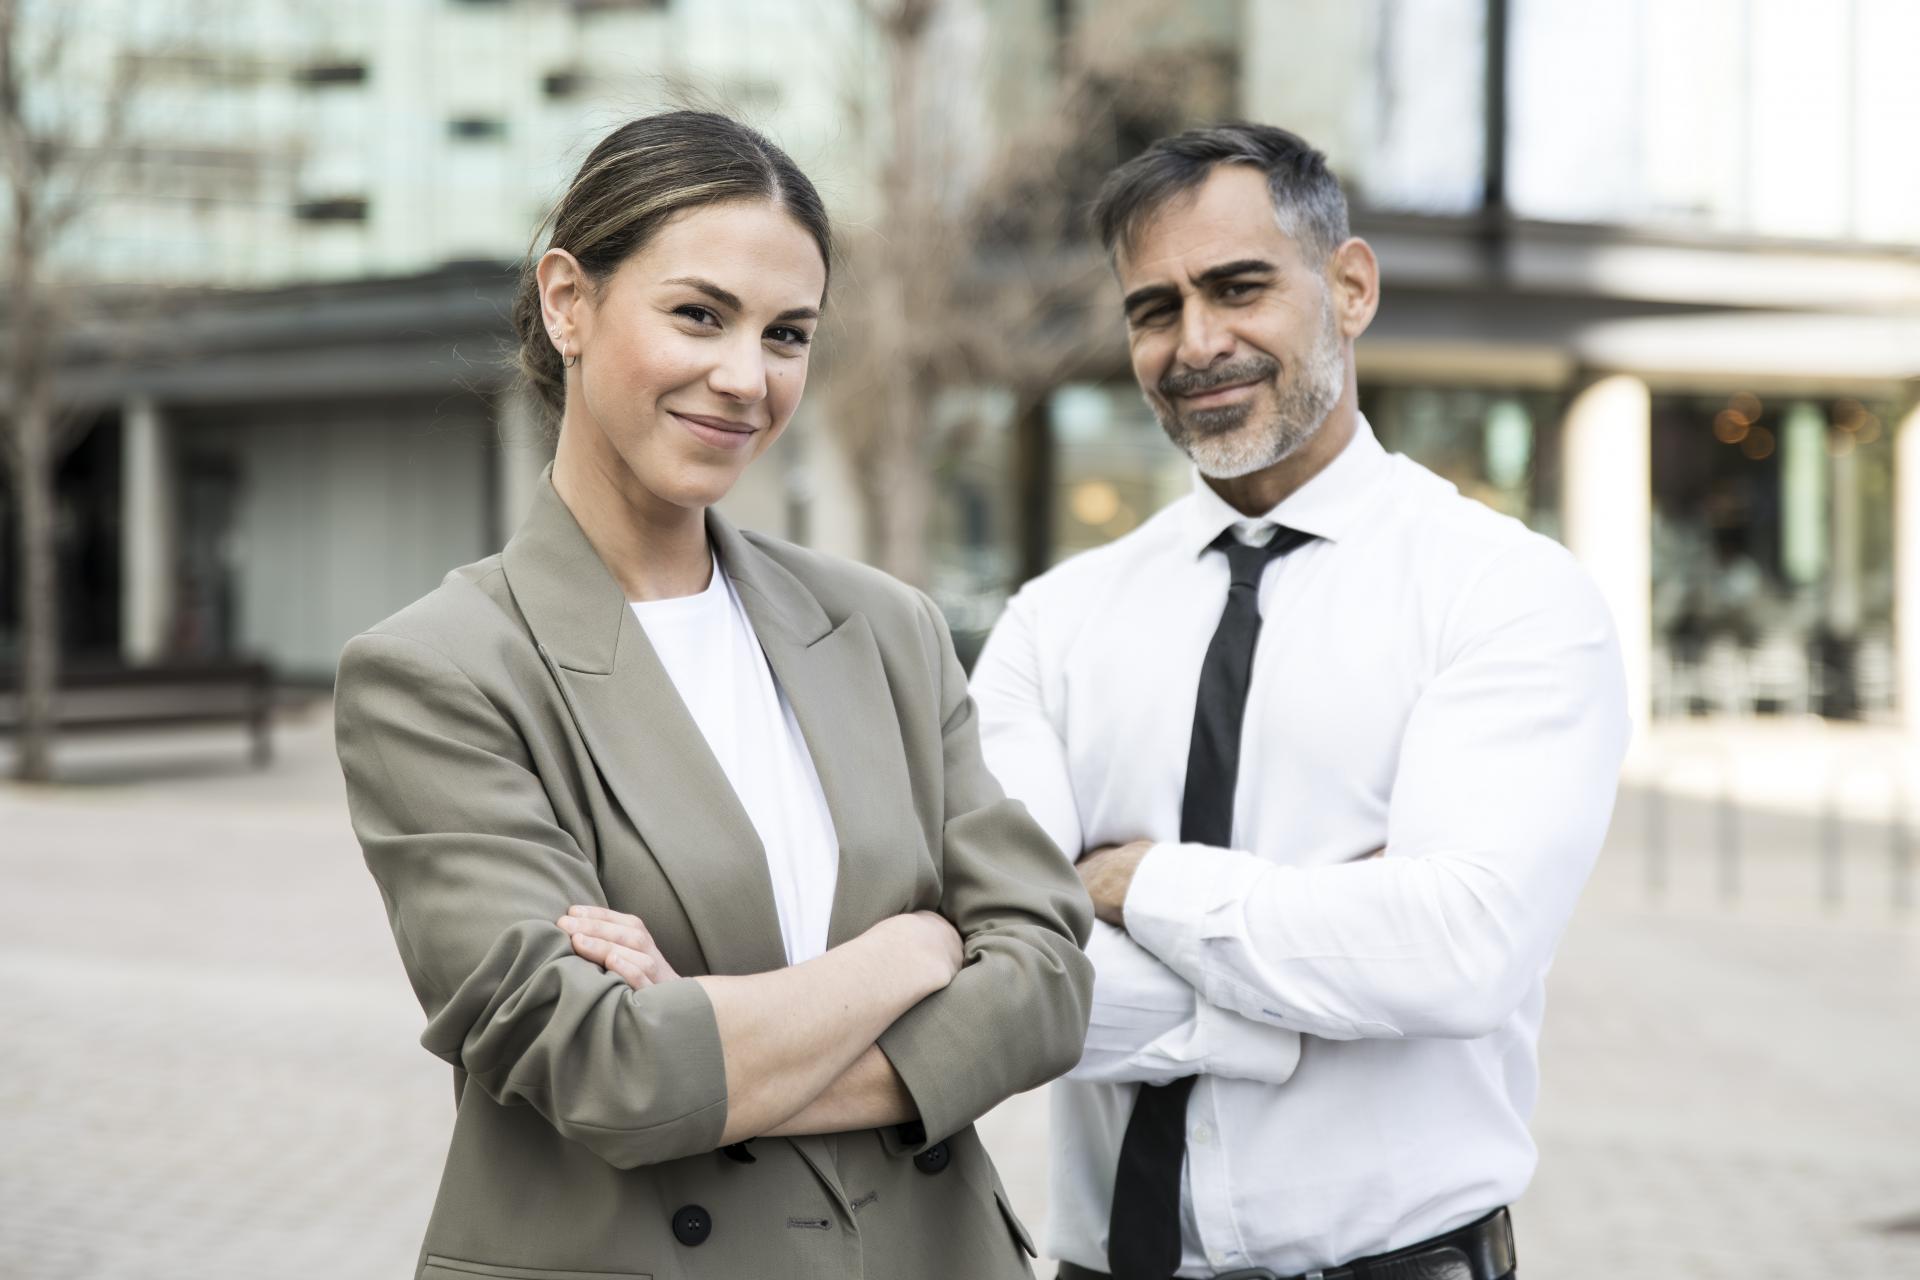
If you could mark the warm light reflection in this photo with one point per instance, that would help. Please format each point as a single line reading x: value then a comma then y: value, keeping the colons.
x: 1839, y: 446
x: 1758, y: 444
x: 1730, y: 426
x: 1868, y: 429
x: 1746, y: 404
x: 1848, y: 414
x: 1094, y: 502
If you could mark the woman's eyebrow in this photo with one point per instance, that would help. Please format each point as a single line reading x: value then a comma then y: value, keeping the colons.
x: 712, y: 290
x: 731, y: 301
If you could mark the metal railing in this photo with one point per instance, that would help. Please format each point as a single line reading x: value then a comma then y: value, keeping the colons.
x: 1707, y: 771
x: 1841, y: 771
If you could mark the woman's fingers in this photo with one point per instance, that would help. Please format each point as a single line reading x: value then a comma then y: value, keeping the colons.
x: 585, y: 912
x: 627, y: 931
x: 635, y: 968
x: 620, y: 930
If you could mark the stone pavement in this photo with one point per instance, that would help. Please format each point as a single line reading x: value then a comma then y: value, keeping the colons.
x: 209, y: 1067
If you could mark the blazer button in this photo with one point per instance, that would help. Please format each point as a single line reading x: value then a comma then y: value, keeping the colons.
x: 692, y: 1225
x: 933, y: 1159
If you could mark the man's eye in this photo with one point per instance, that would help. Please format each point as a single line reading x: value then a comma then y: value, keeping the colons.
x: 1238, y: 289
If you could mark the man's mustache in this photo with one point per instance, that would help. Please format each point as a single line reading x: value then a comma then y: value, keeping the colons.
x: 1251, y: 369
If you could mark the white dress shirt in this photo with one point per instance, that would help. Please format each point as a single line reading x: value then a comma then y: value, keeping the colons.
x: 707, y: 645
x: 1432, y: 679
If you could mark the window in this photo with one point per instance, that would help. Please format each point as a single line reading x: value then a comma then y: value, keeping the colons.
x: 332, y: 209
x: 477, y: 129
x: 320, y: 75
x: 1773, y: 574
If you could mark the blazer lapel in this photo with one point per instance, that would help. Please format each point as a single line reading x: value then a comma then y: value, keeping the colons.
x: 833, y: 678
x: 652, y: 755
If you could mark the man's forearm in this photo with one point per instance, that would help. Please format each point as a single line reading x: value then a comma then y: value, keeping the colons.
x: 867, y: 1095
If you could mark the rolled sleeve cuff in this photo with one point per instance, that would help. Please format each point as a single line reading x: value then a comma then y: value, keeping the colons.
x: 1173, y: 905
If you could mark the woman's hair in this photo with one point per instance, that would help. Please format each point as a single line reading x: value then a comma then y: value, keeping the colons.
x: 638, y: 177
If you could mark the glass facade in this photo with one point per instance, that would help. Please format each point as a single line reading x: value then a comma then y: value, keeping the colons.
x: 1772, y: 539
x: 1497, y: 445
x: 1773, y: 577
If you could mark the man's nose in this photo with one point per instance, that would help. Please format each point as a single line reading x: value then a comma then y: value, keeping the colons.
x: 1203, y: 340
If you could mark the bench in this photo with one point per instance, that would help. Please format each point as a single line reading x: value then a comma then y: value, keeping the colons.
x: 112, y: 696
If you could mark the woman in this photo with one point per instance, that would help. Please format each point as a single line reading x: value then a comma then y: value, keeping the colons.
x: 684, y: 834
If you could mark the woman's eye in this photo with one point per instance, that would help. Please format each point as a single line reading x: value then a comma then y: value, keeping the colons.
x: 697, y: 314
x: 787, y: 335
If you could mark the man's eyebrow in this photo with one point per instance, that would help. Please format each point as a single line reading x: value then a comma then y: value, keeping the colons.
x: 1242, y: 267
x: 732, y: 301
x: 1212, y: 275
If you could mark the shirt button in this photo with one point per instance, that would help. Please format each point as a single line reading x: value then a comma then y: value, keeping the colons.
x: 1218, y: 1258
x: 1202, y: 1134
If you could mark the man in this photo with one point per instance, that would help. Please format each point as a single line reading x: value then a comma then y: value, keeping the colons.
x: 1335, y: 748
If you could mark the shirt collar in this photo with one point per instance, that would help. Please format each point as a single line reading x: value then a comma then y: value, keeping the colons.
x: 1328, y: 506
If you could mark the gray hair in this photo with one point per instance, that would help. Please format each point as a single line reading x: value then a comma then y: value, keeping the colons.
x: 1307, y: 200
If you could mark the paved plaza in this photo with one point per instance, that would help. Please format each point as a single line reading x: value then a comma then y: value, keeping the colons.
x: 209, y: 1066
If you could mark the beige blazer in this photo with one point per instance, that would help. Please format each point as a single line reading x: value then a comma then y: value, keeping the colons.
x: 512, y: 745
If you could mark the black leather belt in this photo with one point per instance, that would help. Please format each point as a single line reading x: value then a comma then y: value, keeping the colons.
x: 1480, y: 1250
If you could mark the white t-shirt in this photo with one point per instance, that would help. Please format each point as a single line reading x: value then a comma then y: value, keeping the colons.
x: 710, y: 652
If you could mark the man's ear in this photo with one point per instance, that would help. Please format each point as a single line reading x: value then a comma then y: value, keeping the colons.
x: 1353, y: 279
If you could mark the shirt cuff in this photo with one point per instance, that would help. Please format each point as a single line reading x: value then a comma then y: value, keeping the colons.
x: 1178, y: 890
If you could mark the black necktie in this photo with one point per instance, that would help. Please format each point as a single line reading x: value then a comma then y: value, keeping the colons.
x: 1143, y: 1234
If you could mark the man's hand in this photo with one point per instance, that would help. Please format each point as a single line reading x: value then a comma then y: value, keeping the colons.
x: 1108, y: 874
x: 618, y: 943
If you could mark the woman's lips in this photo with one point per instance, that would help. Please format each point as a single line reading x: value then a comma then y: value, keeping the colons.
x: 716, y: 432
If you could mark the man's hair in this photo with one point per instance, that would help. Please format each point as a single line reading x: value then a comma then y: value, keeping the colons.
x: 1307, y: 200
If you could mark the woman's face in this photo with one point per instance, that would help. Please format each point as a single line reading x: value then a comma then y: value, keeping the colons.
x: 693, y: 353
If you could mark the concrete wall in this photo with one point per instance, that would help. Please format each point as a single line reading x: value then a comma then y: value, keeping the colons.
x: 343, y: 520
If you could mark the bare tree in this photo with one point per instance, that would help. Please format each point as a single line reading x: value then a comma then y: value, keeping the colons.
x: 54, y: 141
x: 978, y: 269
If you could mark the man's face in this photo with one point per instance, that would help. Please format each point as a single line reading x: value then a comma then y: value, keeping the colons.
x: 1232, y: 330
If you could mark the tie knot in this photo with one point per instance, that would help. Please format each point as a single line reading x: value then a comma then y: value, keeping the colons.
x: 1246, y: 563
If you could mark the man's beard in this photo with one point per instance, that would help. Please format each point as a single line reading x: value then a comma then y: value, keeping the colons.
x: 1220, y: 441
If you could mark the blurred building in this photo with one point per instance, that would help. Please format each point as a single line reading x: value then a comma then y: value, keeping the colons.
x: 1674, y: 323
x: 1655, y: 290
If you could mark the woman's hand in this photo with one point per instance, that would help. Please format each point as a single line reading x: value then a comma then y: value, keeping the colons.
x: 618, y: 943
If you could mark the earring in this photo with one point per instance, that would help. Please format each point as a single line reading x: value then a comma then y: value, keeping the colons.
x: 566, y: 363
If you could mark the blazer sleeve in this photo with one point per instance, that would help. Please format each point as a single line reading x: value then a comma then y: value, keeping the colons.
x: 1015, y: 1016
x: 461, y: 837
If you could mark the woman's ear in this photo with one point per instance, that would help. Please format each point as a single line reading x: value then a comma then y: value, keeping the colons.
x: 1353, y: 276
x: 565, y: 300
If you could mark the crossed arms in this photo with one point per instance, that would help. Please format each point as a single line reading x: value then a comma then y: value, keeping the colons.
x: 476, y: 870
x: 1214, y: 961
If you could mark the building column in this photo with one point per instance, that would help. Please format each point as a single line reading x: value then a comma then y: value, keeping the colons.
x: 1607, y: 513
x: 1906, y: 566
x: 522, y: 449
x: 147, y: 506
